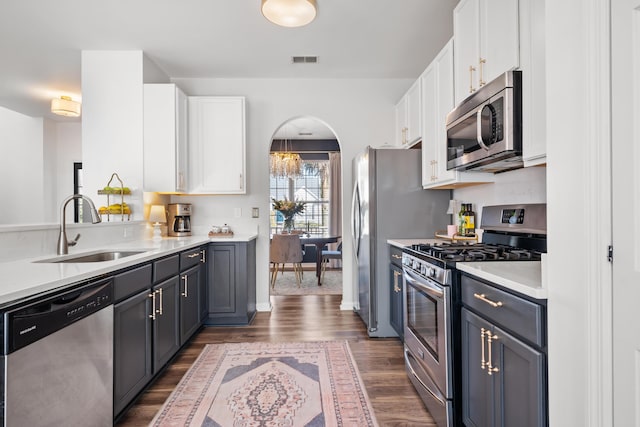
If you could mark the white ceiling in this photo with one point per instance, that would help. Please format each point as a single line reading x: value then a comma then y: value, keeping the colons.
x: 41, y: 41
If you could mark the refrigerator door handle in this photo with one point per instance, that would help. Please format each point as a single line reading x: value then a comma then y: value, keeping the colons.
x: 355, y: 220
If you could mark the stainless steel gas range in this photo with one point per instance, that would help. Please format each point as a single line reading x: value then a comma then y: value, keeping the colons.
x: 432, y: 299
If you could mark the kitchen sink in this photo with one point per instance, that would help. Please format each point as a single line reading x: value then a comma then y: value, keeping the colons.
x: 91, y: 257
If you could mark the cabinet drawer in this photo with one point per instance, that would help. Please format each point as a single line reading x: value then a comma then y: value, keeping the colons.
x: 190, y: 258
x: 395, y: 255
x: 165, y: 268
x: 132, y: 281
x: 522, y: 317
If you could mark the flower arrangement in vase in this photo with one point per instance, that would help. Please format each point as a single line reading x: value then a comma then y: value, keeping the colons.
x: 288, y: 209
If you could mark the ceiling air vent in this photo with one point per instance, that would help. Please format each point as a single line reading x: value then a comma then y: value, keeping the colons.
x: 304, y: 59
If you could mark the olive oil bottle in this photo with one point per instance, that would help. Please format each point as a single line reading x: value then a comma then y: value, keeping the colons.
x: 468, y: 220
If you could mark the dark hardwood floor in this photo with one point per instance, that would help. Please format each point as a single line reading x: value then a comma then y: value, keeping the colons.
x: 305, y: 318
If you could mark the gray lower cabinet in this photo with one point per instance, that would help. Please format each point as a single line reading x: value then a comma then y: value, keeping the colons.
x: 166, y: 324
x: 190, y: 297
x: 503, y: 375
x: 231, y: 277
x: 156, y: 311
x: 396, y: 291
x: 132, y: 350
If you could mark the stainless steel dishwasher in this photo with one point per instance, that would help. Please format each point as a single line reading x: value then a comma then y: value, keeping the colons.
x: 58, y: 359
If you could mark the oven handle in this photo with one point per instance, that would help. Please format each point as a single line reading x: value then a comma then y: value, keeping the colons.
x: 424, y: 284
x: 415, y: 375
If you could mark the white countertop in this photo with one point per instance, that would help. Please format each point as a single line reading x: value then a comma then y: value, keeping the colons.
x: 401, y: 243
x: 521, y: 276
x: 525, y: 277
x: 24, y: 278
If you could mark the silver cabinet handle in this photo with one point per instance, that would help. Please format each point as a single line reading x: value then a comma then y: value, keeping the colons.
x: 186, y: 284
x: 193, y: 255
x: 396, y: 256
x: 483, y: 297
x: 204, y: 256
x: 152, y: 295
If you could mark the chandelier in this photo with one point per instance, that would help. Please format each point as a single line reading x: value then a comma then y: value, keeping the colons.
x: 286, y: 164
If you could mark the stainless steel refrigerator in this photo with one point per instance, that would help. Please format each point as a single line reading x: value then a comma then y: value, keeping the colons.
x: 388, y: 202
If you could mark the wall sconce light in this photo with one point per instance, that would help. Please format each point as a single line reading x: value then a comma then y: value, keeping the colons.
x: 65, y: 106
x: 156, y: 216
x: 289, y: 13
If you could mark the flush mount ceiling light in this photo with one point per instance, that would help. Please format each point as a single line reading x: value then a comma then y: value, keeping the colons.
x: 289, y: 13
x: 65, y: 106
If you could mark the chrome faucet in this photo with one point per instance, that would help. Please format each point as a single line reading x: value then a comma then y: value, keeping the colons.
x: 63, y: 244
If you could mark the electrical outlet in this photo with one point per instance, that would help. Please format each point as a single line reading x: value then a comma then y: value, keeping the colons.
x: 255, y: 212
x: 237, y: 212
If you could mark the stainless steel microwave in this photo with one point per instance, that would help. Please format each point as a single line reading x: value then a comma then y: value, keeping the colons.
x: 484, y: 133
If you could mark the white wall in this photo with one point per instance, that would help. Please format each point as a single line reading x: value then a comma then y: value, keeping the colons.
x: 21, y: 168
x: 62, y: 147
x: 112, y: 95
x: 527, y: 185
x: 360, y: 112
x: 578, y: 178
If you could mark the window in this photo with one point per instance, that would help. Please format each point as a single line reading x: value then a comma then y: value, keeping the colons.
x: 312, y: 187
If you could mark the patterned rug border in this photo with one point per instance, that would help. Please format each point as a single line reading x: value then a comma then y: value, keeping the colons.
x: 323, y: 348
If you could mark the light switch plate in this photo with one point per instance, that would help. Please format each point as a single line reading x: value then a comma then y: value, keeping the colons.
x: 255, y: 212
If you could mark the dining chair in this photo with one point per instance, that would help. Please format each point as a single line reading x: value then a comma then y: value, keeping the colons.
x: 285, y: 248
x: 328, y: 256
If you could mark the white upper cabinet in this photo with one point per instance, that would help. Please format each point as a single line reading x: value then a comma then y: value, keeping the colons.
x: 487, y: 42
x: 438, y: 101
x: 409, y: 116
x: 217, y: 145
x: 165, y: 138
x: 532, y: 64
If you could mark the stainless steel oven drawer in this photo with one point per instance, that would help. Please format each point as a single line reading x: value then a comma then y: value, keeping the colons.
x: 523, y: 317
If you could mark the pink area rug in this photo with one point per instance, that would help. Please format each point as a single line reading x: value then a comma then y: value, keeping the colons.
x: 270, y: 384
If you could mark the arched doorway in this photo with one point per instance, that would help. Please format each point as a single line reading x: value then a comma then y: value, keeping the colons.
x: 305, y: 175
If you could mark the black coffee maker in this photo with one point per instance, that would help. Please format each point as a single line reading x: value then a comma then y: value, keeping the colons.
x: 179, y: 219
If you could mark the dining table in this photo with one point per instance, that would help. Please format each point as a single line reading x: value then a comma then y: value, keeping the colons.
x: 319, y: 240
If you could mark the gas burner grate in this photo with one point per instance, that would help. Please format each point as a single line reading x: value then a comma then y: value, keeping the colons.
x: 476, y: 252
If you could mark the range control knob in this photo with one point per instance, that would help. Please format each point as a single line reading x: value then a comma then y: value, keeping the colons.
x: 431, y: 271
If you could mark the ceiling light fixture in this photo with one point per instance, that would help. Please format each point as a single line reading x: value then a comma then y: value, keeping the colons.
x: 284, y: 162
x: 65, y: 106
x: 289, y: 13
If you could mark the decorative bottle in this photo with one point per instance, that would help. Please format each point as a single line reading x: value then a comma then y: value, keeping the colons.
x: 461, y: 228
x: 469, y: 220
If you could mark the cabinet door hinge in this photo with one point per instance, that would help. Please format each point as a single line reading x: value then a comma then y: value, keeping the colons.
x: 610, y: 253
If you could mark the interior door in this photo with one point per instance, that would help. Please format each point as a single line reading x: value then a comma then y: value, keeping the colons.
x: 625, y: 95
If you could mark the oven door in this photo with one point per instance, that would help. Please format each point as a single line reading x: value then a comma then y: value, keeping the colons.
x: 427, y: 328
